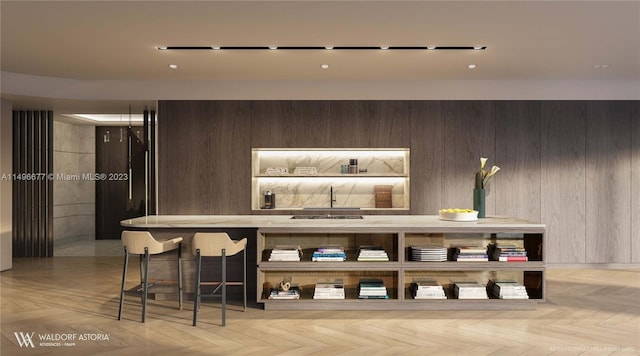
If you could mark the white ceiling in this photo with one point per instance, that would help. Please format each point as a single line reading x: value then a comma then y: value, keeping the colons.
x: 59, y: 52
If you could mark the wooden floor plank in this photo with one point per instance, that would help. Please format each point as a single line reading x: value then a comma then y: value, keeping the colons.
x: 588, y: 311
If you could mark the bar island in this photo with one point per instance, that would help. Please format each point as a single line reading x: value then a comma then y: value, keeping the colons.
x: 397, y: 235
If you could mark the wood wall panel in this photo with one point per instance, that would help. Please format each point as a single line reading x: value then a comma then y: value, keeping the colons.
x: 541, y: 146
x: 290, y: 124
x: 608, y: 182
x: 205, y: 155
x: 369, y: 124
x: 563, y: 179
x: 427, y: 156
x: 517, y: 186
x: 635, y: 181
x: 469, y: 133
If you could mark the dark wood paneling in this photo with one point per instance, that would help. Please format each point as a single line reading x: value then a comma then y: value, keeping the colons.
x: 469, y: 133
x: 427, y: 157
x: 635, y: 181
x: 205, y: 155
x: 369, y: 124
x: 277, y: 124
x: 608, y: 182
x: 517, y: 186
x: 563, y: 179
x: 32, y: 203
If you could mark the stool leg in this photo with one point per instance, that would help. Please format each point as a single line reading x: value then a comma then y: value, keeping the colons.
x: 124, y: 278
x: 196, y: 294
x: 145, y: 287
x: 180, y: 275
x: 224, y: 286
x: 244, y: 278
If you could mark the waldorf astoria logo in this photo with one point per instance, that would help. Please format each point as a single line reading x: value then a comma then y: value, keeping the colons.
x: 32, y: 339
x: 24, y: 339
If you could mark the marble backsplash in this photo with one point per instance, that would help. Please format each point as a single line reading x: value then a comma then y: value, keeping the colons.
x: 310, y: 193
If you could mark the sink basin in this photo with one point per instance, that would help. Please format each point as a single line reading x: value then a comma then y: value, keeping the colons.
x: 327, y: 216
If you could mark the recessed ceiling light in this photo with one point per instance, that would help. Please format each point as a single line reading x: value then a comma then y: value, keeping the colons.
x: 215, y: 47
x: 162, y: 47
x: 472, y: 66
x: 328, y: 47
x: 324, y: 66
x: 173, y: 66
x: 431, y: 47
x: 384, y: 47
x: 273, y: 47
x: 478, y: 47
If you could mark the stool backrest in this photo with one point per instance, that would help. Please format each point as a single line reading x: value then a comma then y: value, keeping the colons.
x: 136, y: 241
x: 212, y: 243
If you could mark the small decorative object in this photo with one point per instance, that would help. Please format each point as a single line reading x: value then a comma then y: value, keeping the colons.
x: 479, y: 194
x: 285, y: 284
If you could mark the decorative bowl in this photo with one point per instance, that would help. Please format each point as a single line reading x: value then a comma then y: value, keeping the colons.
x: 454, y: 214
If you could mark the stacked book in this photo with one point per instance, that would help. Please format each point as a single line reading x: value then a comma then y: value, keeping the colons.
x: 372, y: 253
x: 292, y: 293
x: 286, y: 253
x: 329, y: 290
x: 427, y: 289
x: 469, y: 290
x: 470, y: 254
x: 508, y: 290
x: 275, y: 171
x: 372, y: 289
x: 305, y: 171
x: 507, y: 253
x: 427, y: 253
x: 329, y: 253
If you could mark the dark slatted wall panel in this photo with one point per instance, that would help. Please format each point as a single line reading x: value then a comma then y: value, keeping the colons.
x: 33, y: 184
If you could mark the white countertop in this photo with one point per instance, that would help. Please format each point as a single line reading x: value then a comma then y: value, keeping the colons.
x: 369, y: 222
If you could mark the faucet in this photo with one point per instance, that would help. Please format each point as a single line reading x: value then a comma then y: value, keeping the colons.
x: 331, y: 197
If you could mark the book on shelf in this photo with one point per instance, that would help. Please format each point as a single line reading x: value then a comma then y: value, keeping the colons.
x: 507, y: 253
x: 286, y: 253
x: 329, y: 290
x: 426, y: 289
x: 470, y: 254
x: 329, y: 253
x: 372, y: 288
x: 508, y: 289
x: 470, y: 290
x: 372, y: 253
x: 292, y: 293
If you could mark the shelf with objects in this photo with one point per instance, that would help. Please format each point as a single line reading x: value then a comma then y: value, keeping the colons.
x: 428, y: 268
x: 327, y: 178
x: 487, y: 268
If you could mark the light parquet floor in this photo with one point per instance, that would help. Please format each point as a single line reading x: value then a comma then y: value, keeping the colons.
x: 588, y: 312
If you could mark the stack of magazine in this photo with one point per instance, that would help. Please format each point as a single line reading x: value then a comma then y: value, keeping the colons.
x: 507, y: 253
x: 292, y: 293
x: 469, y: 290
x: 372, y: 288
x: 372, y: 253
x: 329, y: 290
x: 470, y: 254
x: 286, y: 253
x: 427, y: 253
x: 427, y: 289
x: 329, y: 253
x: 508, y: 290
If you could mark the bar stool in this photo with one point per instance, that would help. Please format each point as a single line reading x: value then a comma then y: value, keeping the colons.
x: 143, y: 244
x: 217, y: 245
